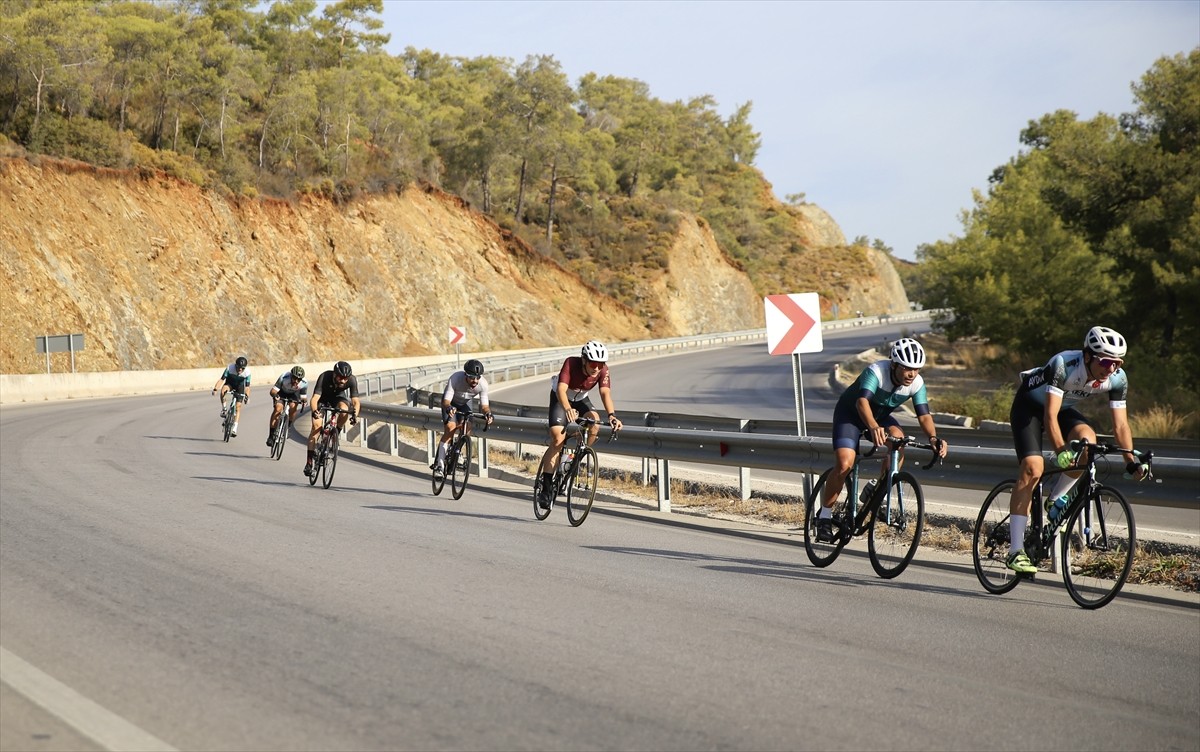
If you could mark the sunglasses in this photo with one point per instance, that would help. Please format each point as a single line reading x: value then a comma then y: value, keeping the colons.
x: 472, y: 379
x: 1110, y: 362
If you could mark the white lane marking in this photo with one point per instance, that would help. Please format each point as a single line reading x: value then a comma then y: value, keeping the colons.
x: 109, y: 730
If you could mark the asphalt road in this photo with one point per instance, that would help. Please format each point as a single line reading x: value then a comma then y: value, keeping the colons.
x: 162, y: 589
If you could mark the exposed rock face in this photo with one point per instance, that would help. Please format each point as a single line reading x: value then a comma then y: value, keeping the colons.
x: 702, y: 291
x: 821, y: 226
x: 161, y: 274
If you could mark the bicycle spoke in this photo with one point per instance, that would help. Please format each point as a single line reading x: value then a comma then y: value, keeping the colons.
x: 820, y: 552
x: 1098, y: 549
x: 990, y: 542
x: 895, y: 531
x: 581, y: 486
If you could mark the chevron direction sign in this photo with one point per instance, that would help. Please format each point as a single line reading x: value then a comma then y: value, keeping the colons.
x: 793, y: 323
x: 458, y: 335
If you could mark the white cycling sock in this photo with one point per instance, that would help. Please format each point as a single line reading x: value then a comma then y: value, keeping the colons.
x: 441, y: 454
x: 1062, y: 484
x: 1016, y: 532
x: 824, y: 513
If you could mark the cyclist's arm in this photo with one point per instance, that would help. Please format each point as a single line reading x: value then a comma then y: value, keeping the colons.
x: 930, y: 430
x: 878, y: 433
x: 1122, y: 432
x: 606, y: 398
x: 356, y: 405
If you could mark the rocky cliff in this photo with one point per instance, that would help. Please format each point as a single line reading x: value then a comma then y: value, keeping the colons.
x: 160, y: 274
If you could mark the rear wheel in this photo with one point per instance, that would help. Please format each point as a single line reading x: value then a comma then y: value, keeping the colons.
x: 581, y: 485
x: 1098, y: 548
x: 330, y: 465
x: 538, y: 512
x: 822, y: 553
x: 990, y: 541
x: 460, y: 468
x: 896, y: 528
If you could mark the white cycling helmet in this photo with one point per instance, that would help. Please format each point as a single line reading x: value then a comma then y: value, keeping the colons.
x: 1104, y: 341
x: 908, y: 353
x: 595, y: 352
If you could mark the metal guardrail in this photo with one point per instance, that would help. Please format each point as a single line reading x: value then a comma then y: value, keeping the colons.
x: 978, y: 459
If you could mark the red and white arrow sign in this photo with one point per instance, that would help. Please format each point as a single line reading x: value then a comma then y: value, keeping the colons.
x: 793, y: 323
x: 458, y: 335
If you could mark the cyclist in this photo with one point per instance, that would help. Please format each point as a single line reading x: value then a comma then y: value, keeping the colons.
x: 569, y: 400
x: 1044, y: 403
x: 291, y: 388
x: 461, y: 388
x: 235, y: 377
x: 867, y: 405
x: 335, y: 388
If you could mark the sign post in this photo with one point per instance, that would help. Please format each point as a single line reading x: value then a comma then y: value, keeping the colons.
x: 49, y: 343
x: 458, y: 335
x: 794, y: 327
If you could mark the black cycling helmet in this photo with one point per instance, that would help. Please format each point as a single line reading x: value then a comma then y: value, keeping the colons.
x: 342, y: 368
x: 298, y: 373
x: 240, y: 363
x: 473, y: 368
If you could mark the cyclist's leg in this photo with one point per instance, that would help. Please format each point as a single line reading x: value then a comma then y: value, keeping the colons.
x: 1073, y: 426
x: 313, y: 433
x: 845, y: 450
x: 586, y: 409
x: 276, y: 414
x: 1026, y: 420
x: 558, y: 437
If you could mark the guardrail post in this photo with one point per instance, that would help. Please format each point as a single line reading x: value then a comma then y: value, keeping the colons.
x: 394, y: 439
x: 483, y: 458
x: 664, y: 485
x: 362, y: 432
x: 430, y: 447
x: 645, y: 471
x: 744, y: 472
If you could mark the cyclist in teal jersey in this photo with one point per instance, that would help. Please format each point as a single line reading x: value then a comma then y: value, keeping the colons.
x: 867, y: 405
x: 1044, y: 404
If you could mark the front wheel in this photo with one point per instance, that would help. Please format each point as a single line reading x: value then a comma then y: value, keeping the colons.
x: 1098, y: 548
x: 581, y: 485
x: 281, y: 433
x: 990, y: 541
x: 230, y: 417
x: 330, y: 464
x: 822, y: 552
x: 895, y: 531
x: 460, y: 466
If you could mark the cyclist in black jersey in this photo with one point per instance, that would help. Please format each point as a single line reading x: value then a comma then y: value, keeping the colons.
x: 336, y: 388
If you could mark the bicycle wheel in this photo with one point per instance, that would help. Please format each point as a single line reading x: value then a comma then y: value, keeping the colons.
x: 822, y: 553
x: 460, y: 470
x: 1098, y: 548
x: 281, y: 433
x: 990, y: 541
x: 439, y: 481
x: 230, y: 416
x: 895, y: 531
x: 538, y: 512
x: 582, y: 480
x: 330, y: 464
x: 318, y: 463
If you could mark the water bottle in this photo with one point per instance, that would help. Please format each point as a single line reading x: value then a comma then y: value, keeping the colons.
x: 865, y: 496
x: 568, y: 455
x: 1056, y: 510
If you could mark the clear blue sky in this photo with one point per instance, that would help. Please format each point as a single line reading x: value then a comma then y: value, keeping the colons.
x: 885, y: 114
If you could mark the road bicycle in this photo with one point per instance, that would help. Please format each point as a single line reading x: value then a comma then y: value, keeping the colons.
x: 229, y: 408
x: 325, y: 459
x: 457, y: 463
x: 576, y: 476
x: 279, y: 437
x: 892, y: 516
x: 1096, y: 548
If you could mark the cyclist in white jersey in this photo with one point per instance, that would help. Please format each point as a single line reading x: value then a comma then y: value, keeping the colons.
x: 462, y: 387
x: 1044, y: 404
x: 235, y: 378
x: 291, y: 389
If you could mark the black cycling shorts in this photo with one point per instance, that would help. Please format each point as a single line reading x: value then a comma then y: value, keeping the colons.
x: 1028, y: 424
x: 558, y: 416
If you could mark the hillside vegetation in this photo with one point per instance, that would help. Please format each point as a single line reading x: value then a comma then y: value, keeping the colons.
x: 277, y: 99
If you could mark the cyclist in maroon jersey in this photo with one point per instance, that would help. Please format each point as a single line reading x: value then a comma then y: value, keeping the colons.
x: 569, y: 400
